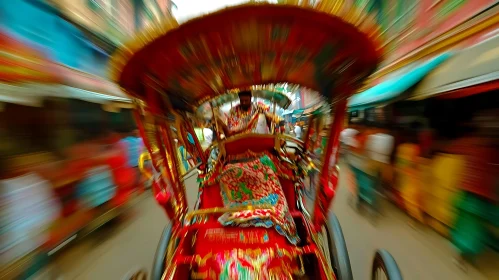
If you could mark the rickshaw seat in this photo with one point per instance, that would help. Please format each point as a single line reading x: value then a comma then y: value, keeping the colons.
x: 211, y: 198
x: 256, y: 143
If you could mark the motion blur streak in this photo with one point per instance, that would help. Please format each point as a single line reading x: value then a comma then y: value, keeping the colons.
x: 421, y: 137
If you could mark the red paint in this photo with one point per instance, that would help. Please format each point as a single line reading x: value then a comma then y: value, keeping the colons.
x: 468, y: 91
x: 329, y: 178
x: 164, y: 199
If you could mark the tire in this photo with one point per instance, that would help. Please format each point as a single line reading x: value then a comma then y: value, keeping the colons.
x: 158, y: 265
x: 338, y: 253
x: 385, y: 264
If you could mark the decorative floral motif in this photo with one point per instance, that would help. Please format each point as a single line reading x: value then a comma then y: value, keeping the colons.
x: 255, y: 182
x: 258, y: 264
x: 223, y: 236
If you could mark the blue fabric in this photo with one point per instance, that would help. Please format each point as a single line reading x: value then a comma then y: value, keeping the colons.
x: 134, y: 147
x: 184, y: 160
x: 392, y: 88
x: 366, y: 186
x: 189, y: 138
x: 97, y: 188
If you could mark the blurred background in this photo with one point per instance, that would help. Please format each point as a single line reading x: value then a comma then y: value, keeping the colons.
x: 419, y: 165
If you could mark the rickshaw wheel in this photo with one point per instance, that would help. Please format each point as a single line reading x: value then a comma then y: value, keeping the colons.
x: 385, y: 267
x: 337, y: 247
x: 158, y: 266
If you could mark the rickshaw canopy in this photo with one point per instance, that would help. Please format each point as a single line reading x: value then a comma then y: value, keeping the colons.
x: 321, y: 47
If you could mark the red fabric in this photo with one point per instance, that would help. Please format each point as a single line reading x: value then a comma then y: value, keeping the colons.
x: 361, y: 139
x: 125, y: 177
x: 468, y: 91
x: 164, y: 199
x: 117, y: 160
x: 288, y: 188
x: 66, y: 227
x: 255, y: 183
x: 214, y: 240
x: 210, y: 198
x: 425, y: 141
x: 121, y: 197
x: 69, y: 208
x: 206, y: 243
x: 481, y: 169
x: 298, y: 21
x: 255, y: 144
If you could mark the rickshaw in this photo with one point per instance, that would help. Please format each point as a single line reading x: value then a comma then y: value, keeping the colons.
x: 173, y: 69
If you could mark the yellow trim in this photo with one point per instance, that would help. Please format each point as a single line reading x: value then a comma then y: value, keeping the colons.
x: 353, y: 16
x: 143, y: 157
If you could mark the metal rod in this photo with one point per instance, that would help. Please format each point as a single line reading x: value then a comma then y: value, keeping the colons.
x: 329, y: 181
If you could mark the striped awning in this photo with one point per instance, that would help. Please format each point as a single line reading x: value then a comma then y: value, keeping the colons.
x: 474, y: 66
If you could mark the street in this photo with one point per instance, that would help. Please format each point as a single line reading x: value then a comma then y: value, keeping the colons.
x: 130, y: 243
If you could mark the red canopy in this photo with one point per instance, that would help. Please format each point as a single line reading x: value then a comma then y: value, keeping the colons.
x: 249, y: 45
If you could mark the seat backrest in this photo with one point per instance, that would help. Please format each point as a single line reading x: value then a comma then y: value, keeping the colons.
x: 256, y: 143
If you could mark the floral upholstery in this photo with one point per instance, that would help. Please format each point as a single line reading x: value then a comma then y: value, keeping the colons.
x: 254, y: 182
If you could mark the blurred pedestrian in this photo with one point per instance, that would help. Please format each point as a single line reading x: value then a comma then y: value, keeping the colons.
x: 134, y: 147
x: 298, y: 131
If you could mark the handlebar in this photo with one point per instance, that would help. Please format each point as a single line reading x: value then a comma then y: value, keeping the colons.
x: 142, y: 159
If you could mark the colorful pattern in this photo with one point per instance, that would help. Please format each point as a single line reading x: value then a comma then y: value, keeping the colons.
x: 244, y: 120
x: 263, y: 49
x: 254, y: 264
x: 221, y: 235
x: 22, y: 63
x: 97, y: 188
x: 255, y: 183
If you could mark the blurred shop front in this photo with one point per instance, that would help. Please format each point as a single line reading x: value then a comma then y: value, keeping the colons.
x: 443, y: 118
x: 63, y: 163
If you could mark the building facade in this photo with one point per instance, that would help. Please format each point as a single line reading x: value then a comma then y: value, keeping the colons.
x: 414, y: 30
x: 113, y: 19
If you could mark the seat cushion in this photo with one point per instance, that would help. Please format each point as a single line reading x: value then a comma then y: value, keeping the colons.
x: 255, y: 183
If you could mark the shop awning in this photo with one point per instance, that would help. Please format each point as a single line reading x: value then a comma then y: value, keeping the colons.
x: 474, y: 66
x: 33, y: 94
x: 392, y: 89
x: 27, y: 76
x: 90, y: 83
